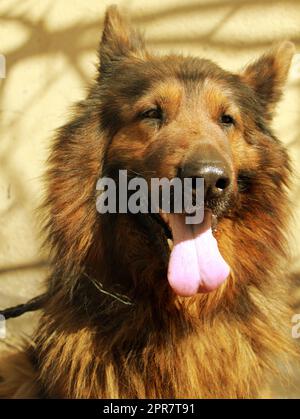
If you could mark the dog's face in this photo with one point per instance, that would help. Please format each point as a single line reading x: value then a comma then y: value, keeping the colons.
x: 176, y: 116
x: 182, y: 125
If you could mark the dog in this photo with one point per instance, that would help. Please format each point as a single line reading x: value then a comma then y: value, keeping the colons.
x: 143, y: 305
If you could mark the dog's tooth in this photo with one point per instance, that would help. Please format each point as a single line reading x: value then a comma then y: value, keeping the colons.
x: 165, y: 217
x: 171, y: 244
x: 214, y: 223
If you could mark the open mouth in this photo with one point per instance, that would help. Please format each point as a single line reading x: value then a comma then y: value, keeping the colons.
x: 195, y: 264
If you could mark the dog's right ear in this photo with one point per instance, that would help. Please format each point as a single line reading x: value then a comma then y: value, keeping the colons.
x: 267, y: 75
x: 119, y: 39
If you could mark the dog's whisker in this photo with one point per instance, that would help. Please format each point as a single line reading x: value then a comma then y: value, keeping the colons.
x: 119, y: 297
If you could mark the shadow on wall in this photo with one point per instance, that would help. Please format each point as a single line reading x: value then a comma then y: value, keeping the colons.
x: 69, y: 41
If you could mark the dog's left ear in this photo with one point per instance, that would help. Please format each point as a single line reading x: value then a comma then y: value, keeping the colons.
x: 268, y: 74
x: 119, y: 39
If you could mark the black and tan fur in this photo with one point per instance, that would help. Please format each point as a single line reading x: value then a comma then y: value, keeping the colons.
x: 221, y: 344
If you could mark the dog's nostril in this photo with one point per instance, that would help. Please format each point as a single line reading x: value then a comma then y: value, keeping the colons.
x: 216, y: 175
x: 222, y: 183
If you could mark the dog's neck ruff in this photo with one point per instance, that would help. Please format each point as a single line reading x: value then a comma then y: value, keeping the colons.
x: 37, y: 303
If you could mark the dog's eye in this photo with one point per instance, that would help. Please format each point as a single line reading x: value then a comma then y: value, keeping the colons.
x: 227, y: 119
x: 153, y: 113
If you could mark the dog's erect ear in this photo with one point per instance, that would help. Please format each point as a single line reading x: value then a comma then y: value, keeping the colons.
x: 268, y: 74
x: 119, y: 39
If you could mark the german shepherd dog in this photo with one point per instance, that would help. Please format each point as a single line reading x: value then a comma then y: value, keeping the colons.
x: 146, y: 306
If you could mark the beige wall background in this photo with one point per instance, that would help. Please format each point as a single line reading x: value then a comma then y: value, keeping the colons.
x: 50, y: 49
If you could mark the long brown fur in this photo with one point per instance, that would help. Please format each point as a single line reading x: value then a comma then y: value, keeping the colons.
x: 221, y: 344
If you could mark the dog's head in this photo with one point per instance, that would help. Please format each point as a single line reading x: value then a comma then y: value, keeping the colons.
x: 183, y: 117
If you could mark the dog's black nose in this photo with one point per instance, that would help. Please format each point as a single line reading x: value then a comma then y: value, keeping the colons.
x: 216, y: 175
x: 216, y: 180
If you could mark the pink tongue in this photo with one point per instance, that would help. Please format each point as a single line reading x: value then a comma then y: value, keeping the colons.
x: 196, y: 264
